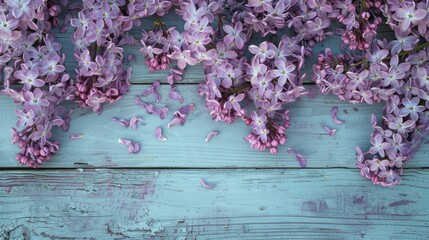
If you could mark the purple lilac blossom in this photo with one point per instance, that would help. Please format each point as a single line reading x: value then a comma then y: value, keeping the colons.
x: 31, y: 60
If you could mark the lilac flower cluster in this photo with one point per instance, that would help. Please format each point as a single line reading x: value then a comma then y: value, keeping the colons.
x: 34, y: 76
x: 215, y: 34
x: 361, y: 20
x: 102, y: 29
x: 395, y: 72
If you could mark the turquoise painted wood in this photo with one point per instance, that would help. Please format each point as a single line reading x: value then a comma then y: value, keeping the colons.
x: 246, y: 204
x: 186, y: 147
x: 94, y: 189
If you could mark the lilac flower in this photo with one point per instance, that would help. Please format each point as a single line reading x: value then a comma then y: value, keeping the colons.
x: 235, y: 35
x: 379, y: 145
x: 149, y: 51
x: 29, y: 78
x: 233, y: 102
x: 35, y: 98
x: 43, y: 133
x: 411, y: 107
x: 377, y: 165
x: 262, y: 52
x: 24, y: 118
x: 400, y: 126
x: 81, y: 22
x: 19, y: 7
x: 85, y: 63
x: 183, y: 58
x: 408, y: 15
x: 262, y: 133
x: 283, y: 72
x: 258, y: 121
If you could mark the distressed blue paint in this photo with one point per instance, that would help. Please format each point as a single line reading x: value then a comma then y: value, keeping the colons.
x: 83, y: 201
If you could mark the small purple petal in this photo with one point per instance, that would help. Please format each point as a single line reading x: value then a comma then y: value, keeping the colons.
x: 136, y: 146
x: 133, y: 147
x: 121, y: 122
x: 162, y: 112
x: 373, y: 120
x: 302, y: 160
x: 334, y: 112
x: 159, y: 136
x: 124, y: 141
x: 175, y: 96
x: 134, y: 122
x: 205, y: 185
x: 330, y: 131
x: 211, y: 135
x: 76, y: 136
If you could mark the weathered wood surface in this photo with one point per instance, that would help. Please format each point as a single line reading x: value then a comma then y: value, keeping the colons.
x: 171, y: 204
x: 94, y: 189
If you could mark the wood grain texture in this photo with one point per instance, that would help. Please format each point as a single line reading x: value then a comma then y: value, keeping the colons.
x: 171, y: 204
x: 186, y: 147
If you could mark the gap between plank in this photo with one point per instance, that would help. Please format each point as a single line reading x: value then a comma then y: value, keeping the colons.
x: 84, y: 166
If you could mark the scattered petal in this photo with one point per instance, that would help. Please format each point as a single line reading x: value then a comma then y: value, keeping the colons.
x: 124, y: 141
x: 334, y: 112
x: 188, y: 108
x: 373, y: 120
x: 159, y: 136
x: 134, y: 122
x: 133, y: 147
x: 121, y: 122
x: 205, y: 185
x: 211, y: 135
x: 174, y: 95
x: 330, y: 131
x: 162, y: 112
x: 302, y: 160
x: 76, y: 136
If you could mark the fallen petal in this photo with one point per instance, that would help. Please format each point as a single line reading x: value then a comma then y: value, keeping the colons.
x: 205, y: 185
x: 302, y: 160
x: 134, y: 122
x: 175, y: 96
x: 373, y: 120
x: 330, y: 131
x: 76, y: 136
x: 136, y: 146
x: 211, y: 135
x: 124, y: 141
x: 121, y: 122
x: 334, y: 112
x: 159, y: 136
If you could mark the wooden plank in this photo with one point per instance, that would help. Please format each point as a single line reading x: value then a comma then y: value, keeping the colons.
x: 186, y: 146
x: 171, y: 204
